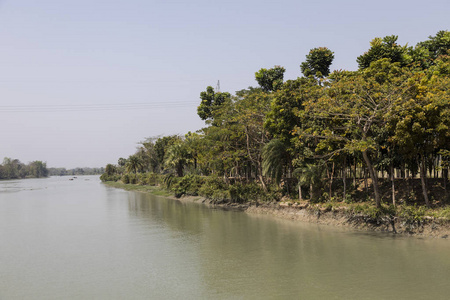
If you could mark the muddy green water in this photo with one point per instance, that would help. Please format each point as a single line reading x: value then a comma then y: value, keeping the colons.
x: 78, y: 239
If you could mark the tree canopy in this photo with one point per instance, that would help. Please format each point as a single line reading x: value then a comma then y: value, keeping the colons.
x: 270, y: 79
x: 387, y: 121
x: 318, y: 62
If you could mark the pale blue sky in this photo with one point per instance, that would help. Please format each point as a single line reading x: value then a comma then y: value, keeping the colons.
x: 67, y: 66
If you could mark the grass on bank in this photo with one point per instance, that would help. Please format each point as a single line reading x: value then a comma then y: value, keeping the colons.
x: 139, y: 188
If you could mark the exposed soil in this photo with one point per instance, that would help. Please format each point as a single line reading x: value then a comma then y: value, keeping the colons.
x: 428, y: 227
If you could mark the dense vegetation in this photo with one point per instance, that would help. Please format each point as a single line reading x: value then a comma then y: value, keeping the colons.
x: 14, y: 169
x: 380, y: 133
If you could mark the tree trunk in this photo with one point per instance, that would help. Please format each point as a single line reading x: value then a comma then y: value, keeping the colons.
x: 300, y: 197
x: 180, y: 169
x: 445, y: 176
x: 393, y: 184
x: 261, y: 178
x: 331, y: 181
x: 344, y: 178
x: 365, y: 182
x: 423, y: 176
x: 374, y: 179
x: 263, y: 183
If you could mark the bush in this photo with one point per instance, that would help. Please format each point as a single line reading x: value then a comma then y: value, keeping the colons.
x: 413, y: 213
x: 125, y: 178
x: 214, y: 188
x: 129, y: 178
x: 153, y: 179
x: 133, y: 179
x: 444, y: 213
x: 187, y: 185
x: 211, y: 187
x: 243, y: 192
x: 106, y: 177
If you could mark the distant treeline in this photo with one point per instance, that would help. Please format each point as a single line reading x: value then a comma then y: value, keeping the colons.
x: 14, y: 169
x: 76, y: 171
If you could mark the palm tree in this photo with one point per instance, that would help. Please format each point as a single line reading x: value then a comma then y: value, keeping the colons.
x: 177, y: 156
x: 110, y: 169
x: 274, y: 159
x: 309, y: 174
x: 133, y: 164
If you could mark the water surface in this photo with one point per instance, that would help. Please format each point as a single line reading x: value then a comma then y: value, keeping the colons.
x: 78, y: 239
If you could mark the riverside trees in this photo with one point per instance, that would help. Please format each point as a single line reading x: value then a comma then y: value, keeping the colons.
x: 14, y: 169
x: 392, y: 116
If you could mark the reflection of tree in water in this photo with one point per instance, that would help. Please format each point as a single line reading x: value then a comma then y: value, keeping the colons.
x: 252, y: 256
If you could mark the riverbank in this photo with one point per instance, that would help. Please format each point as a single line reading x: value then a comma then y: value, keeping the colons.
x: 360, y: 216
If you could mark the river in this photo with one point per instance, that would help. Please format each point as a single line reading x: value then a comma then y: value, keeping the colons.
x: 79, y: 239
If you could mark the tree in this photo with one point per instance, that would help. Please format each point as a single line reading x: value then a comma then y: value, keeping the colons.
x: 133, y: 164
x: 110, y: 169
x: 122, y: 161
x: 274, y: 159
x: 161, y: 146
x: 386, y: 47
x: 312, y: 175
x: 437, y: 45
x: 211, y: 101
x: 318, y: 62
x: 177, y: 156
x: 356, y: 104
x: 250, y: 110
x: 12, y: 168
x: 147, y: 152
x: 270, y: 79
x: 431, y: 52
x: 38, y: 169
x: 421, y: 122
x: 283, y: 116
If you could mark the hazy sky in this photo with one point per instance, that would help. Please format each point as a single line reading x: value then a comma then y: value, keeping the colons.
x: 82, y: 82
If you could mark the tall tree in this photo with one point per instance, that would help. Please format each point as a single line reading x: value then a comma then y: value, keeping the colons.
x: 437, y: 45
x: 283, y: 116
x: 161, y: 146
x: 177, y: 156
x: 270, y: 79
x: 421, y: 122
x: 38, y: 169
x: 274, y: 159
x: 134, y: 164
x: 356, y: 103
x: 121, y: 161
x: 386, y: 47
x: 211, y: 100
x: 318, y: 62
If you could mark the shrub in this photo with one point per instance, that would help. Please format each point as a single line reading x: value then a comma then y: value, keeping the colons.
x: 105, y: 177
x: 133, y: 179
x: 214, y: 188
x: 129, y: 178
x: 153, y: 179
x: 187, y: 185
x: 413, y: 213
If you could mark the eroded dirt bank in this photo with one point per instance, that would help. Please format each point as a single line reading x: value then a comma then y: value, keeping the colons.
x: 428, y: 227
